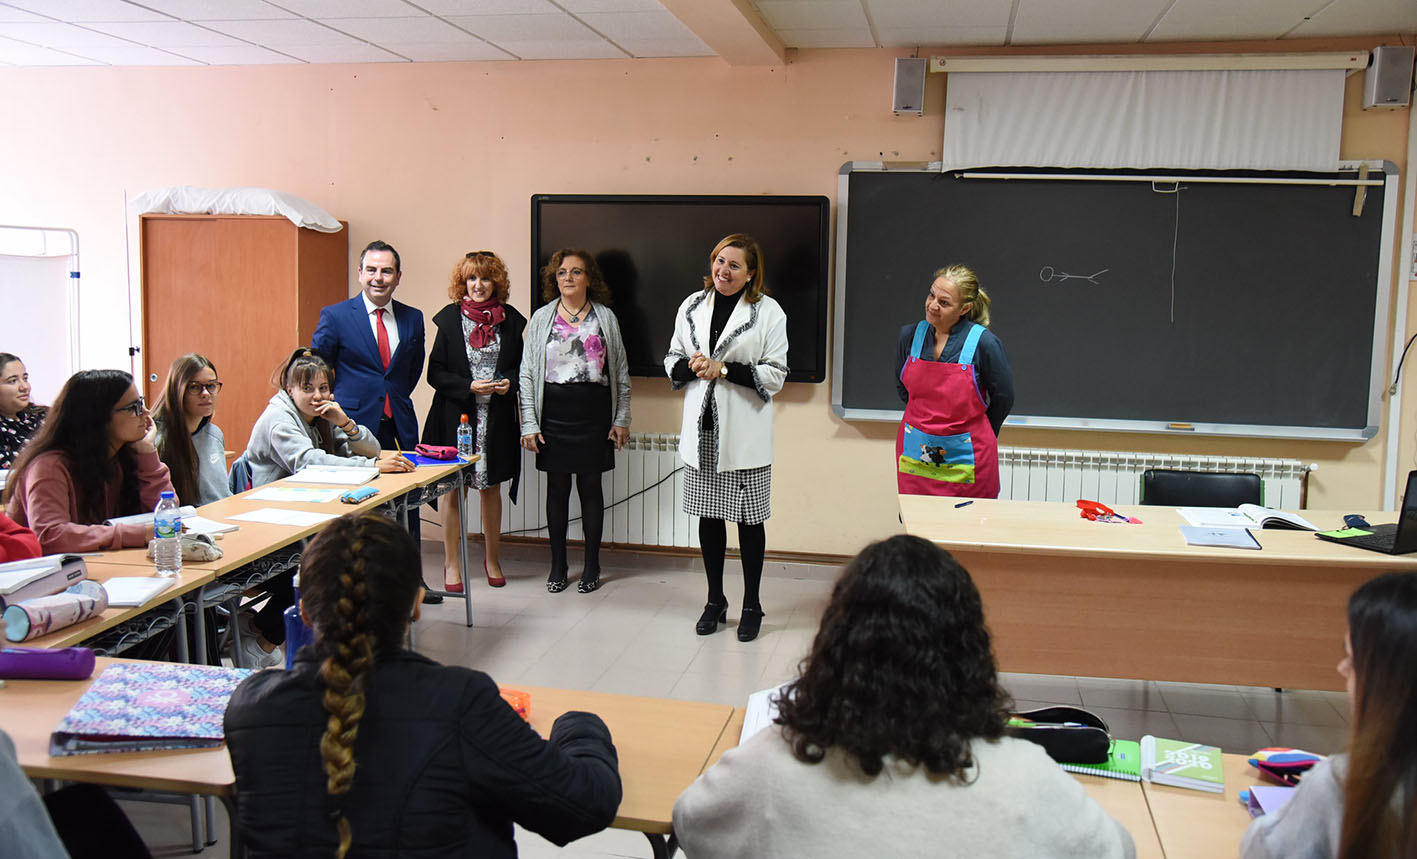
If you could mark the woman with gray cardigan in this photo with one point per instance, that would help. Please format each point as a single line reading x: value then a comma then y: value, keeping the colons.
x: 575, y: 402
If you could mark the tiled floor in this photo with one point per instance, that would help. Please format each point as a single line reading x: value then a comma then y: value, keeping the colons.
x: 635, y: 636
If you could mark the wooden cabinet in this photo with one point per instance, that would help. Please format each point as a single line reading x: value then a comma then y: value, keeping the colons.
x: 243, y: 290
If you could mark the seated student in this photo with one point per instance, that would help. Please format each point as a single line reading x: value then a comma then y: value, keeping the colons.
x: 1363, y: 804
x: 92, y: 460
x: 192, y: 446
x: 16, y: 541
x: 19, y: 418
x: 304, y: 425
x: 891, y: 742
x: 367, y: 748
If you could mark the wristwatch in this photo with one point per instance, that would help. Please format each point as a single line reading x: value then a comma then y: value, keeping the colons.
x: 723, y: 371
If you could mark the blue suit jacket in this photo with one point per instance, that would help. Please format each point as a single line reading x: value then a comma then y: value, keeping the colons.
x: 346, y: 339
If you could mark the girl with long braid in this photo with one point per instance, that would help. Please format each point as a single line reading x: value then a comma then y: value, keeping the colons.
x: 366, y: 748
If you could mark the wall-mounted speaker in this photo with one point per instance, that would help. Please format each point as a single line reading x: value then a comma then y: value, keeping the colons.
x: 909, y: 94
x: 1387, y: 82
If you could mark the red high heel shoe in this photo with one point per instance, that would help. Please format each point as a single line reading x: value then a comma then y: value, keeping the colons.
x: 495, y: 581
x: 454, y: 588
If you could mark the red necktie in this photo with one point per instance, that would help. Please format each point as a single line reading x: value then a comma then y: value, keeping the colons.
x: 384, y: 354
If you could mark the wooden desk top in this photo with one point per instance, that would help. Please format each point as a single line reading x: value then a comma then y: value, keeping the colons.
x: 101, y: 571
x: 1048, y: 528
x: 1194, y: 823
x: 1123, y: 800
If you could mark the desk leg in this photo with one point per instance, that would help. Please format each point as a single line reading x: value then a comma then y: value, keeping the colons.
x: 663, y: 846
x: 462, y: 542
x: 199, y: 623
x: 183, y: 655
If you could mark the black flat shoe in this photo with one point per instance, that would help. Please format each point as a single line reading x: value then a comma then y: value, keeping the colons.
x: 714, y: 614
x: 750, y: 623
x: 555, y: 583
x: 430, y: 598
x: 589, y: 582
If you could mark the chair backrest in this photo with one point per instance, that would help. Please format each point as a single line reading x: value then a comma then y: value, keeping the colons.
x: 1170, y: 488
x: 238, y: 479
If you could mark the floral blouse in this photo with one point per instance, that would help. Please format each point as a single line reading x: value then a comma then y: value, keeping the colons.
x: 15, y: 432
x: 575, y: 354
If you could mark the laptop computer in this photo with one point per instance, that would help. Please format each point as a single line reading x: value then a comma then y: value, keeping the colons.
x: 1399, y: 539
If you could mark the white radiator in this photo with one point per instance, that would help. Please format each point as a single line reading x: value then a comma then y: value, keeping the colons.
x: 643, y: 495
x: 1043, y: 474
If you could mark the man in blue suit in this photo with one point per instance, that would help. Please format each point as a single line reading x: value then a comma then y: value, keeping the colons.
x: 375, y: 345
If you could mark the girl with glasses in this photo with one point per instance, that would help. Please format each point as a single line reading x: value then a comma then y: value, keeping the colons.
x: 192, y: 446
x: 92, y: 460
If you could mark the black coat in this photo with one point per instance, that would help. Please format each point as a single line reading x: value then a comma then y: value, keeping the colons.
x: 450, y: 375
x: 443, y: 766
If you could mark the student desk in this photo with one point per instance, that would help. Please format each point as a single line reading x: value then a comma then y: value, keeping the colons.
x: 1123, y: 800
x: 119, y: 627
x: 1194, y: 823
x: 662, y: 744
x: 1063, y: 595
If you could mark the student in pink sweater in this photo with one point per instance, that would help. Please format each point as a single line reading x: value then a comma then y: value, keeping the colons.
x: 93, y: 459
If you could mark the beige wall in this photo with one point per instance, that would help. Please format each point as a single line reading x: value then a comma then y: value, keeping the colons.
x: 442, y: 158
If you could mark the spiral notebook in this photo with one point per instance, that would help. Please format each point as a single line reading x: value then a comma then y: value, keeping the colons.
x: 1123, y: 762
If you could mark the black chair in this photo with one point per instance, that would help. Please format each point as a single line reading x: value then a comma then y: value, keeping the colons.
x: 1164, y: 487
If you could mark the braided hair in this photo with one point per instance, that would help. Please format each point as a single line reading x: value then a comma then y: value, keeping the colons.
x: 359, y: 581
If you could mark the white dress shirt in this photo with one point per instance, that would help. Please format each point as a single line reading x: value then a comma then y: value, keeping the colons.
x: 389, y: 324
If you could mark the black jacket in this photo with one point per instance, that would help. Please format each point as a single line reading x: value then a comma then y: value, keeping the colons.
x: 449, y: 375
x: 443, y: 766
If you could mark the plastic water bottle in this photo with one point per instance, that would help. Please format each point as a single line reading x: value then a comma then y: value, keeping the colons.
x: 297, y: 634
x: 167, y: 532
x: 465, y: 439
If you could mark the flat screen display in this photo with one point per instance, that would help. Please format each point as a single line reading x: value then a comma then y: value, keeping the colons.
x: 654, y: 251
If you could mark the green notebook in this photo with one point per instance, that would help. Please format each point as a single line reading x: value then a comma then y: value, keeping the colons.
x: 1123, y: 762
x: 1182, y: 764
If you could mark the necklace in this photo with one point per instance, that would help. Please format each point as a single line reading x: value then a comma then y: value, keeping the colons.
x: 575, y: 317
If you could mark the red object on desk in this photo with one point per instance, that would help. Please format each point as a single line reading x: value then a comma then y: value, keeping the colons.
x: 1096, y: 511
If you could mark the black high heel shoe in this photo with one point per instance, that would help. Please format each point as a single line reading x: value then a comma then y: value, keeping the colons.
x: 589, y: 582
x: 556, y: 582
x: 750, y: 624
x: 714, y: 614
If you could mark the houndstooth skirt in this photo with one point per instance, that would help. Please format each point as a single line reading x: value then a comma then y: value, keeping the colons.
x: 735, y: 496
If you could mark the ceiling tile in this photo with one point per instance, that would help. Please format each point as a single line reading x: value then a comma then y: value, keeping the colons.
x: 638, y: 25
x: 1045, y: 22
x: 444, y: 8
x: 563, y: 49
x: 56, y: 35
x: 443, y: 52
x: 1361, y: 18
x: 219, y: 10
x: 931, y: 13
x: 80, y: 11
x: 166, y: 34
x: 354, y: 52
x: 239, y: 54
x: 846, y: 37
x: 812, y: 14
x: 1223, y: 19
x: 136, y: 55
x: 666, y: 47
x: 425, y: 30
x: 278, y: 34
x: 30, y: 55
x: 348, y: 8
x: 905, y: 37
x: 524, y: 28
x: 578, y: 7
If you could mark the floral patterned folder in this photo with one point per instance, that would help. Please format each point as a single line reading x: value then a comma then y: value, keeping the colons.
x: 141, y: 706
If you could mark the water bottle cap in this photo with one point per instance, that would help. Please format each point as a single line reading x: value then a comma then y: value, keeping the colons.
x: 464, y: 417
x: 167, y: 493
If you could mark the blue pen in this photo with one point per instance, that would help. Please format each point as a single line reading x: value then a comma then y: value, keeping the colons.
x: 963, y: 504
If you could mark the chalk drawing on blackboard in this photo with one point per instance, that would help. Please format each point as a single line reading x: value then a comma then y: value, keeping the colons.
x: 1049, y: 274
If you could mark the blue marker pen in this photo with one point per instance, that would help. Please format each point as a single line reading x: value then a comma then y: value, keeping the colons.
x: 963, y: 504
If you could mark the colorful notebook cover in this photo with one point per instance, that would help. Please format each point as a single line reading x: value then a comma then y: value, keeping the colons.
x: 142, y: 706
x: 1123, y: 762
x: 1182, y: 764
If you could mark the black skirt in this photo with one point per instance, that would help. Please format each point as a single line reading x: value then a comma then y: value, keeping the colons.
x: 575, y: 421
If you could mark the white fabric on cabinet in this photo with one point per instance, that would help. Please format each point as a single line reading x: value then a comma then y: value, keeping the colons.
x: 1257, y: 120
x: 192, y: 200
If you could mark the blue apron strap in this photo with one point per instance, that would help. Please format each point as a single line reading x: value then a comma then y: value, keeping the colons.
x: 971, y: 340
x: 919, y: 341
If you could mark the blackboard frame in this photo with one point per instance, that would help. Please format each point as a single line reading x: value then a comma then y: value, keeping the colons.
x: 1384, y: 171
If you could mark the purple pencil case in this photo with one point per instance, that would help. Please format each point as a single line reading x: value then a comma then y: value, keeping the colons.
x: 65, y: 663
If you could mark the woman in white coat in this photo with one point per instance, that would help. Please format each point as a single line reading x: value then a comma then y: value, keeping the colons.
x: 729, y: 352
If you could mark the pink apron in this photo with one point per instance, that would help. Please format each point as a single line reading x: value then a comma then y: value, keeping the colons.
x: 945, y: 445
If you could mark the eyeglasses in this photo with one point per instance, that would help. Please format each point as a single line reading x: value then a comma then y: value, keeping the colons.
x: 471, y: 254
x: 203, y: 387
x: 135, y: 408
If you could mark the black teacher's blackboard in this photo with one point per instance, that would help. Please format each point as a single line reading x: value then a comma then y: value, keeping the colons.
x: 1245, y: 308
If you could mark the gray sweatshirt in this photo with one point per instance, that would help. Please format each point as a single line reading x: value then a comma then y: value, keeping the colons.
x: 211, y: 463
x: 282, y: 443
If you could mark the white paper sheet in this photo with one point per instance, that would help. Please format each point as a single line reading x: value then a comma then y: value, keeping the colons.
x: 210, y: 527
x: 135, y: 590
x: 282, y: 516
x: 300, y: 494
x: 1216, y: 517
x: 761, y: 710
x: 342, y: 475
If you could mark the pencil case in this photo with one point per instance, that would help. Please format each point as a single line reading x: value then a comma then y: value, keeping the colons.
x: 358, y: 494
x: 65, y: 663
x: 437, y: 451
x: 1070, y: 735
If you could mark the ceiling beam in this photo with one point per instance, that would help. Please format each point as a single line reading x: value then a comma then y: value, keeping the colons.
x: 733, y: 29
